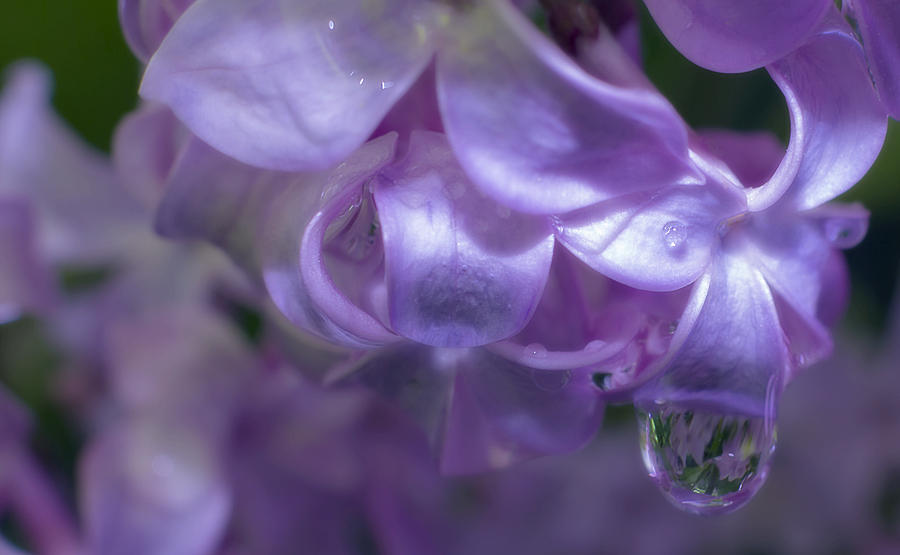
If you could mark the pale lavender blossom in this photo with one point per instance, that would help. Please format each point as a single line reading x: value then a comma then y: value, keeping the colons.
x: 429, y: 248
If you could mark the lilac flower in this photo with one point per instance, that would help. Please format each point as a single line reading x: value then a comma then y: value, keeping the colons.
x: 217, y: 451
x: 58, y: 199
x: 762, y: 250
x: 356, y: 278
x: 668, y: 238
x: 25, y: 491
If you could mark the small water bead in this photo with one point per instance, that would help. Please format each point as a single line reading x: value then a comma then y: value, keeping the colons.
x: 595, y: 345
x: 602, y: 380
x: 845, y: 233
x: 674, y: 234
x: 672, y: 327
x: 612, y: 380
x: 705, y: 463
x: 551, y: 380
x: 536, y: 350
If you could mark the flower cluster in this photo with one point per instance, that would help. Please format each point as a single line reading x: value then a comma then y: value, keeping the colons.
x: 505, y: 232
x: 482, y: 211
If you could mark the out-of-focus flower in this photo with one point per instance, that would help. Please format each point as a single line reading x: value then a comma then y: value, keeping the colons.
x: 408, y: 240
x: 26, y: 491
x: 59, y: 199
x: 218, y: 451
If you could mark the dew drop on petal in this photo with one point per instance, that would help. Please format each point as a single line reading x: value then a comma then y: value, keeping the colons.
x: 595, y: 345
x: 705, y: 463
x: 331, y: 24
x: 603, y: 380
x: 536, y: 350
x: 551, y: 380
x: 674, y: 234
x: 844, y: 233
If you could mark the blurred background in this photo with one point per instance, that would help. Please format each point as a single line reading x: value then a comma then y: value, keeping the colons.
x: 835, y: 485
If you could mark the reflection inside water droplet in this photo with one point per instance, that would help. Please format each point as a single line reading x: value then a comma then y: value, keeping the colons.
x: 705, y: 463
x: 674, y: 234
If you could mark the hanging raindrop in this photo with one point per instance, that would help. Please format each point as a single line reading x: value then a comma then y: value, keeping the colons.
x: 706, y: 463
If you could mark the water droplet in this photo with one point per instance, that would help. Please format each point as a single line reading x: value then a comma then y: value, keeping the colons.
x: 706, y: 463
x: 385, y: 85
x: 331, y: 24
x: 362, y: 80
x: 799, y: 360
x: 551, y: 380
x: 602, y: 380
x: 595, y: 345
x: 674, y: 234
x: 536, y: 350
x: 672, y: 327
x: 845, y: 233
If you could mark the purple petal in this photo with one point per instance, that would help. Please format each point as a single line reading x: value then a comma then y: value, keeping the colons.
x: 503, y: 413
x: 271, y: 224
x: 146, y: 22
x: 837, y: 123
x: 26, y: 283
x: 461, y: 270
x: 735, y: 357
x: 736, y: 35
x: 795, y: 254
x: 416, y: 379
x: 289, y: 86
x: 145, y: 146
x: 878, y: 21
x: 482, y: 411
x: 657, y: 242
x: 540, y: 135
x: 154, y: 488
